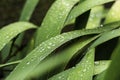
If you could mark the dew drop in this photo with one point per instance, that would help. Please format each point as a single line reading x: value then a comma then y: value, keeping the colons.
x: 101, y: 25
x: 50, y: 43
x: 59, y: 77
x: 87, y: 61
x: 73, y: 67
x: 81, y: 75
x: 53, y: 44
x: 84, y: 70
x: 7, y: 36
x: 97, y: 63
x: 28, y: 63
x: 48, y: 47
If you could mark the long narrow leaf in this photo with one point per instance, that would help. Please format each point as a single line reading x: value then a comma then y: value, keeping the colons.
x: 28, y: 9
x: 101, y: 66
x: 45, y: 48
x: 63, y: 58
x: 95, y: 17
x: 113, y: 72
x: 7, y: 64
x: 111, y: 17
x: 106, y: 36
x: 67, y: 53
x: 54, y: 20
x: 114, y: 13
x: 83, y: 7
x: 9, y: 32
x: 82, y: 71
x: 26, y: 14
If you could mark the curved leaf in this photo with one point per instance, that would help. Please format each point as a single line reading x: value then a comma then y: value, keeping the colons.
x: 101, y: 66
x: 113, y: 71
x: 82, y: 71
x: 9, y: 32
x: 28, y: 9
x: 54, y: 20
x: 25, y: 16
x: 106, y: 36
x: 10, y: 63
x: 95, y: 17
x: 61, y: 59
x: 83, y: 7
x: 111, y: 17
x: 114, y: 13
x: 45, y: 48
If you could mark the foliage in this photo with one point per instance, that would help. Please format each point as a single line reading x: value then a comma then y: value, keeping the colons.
x: 51, y: 53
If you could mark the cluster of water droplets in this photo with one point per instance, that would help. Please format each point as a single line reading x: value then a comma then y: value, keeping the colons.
x: 45, y: 48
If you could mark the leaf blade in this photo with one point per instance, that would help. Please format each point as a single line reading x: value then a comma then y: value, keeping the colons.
x: 54, y: 20
x: 45, y: 48
x: 28, y: 9
x: 83, y: 70
x: 83, y: 7
x: 10, y: 31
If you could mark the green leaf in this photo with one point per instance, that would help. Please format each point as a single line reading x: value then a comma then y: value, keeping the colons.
x: 113, y: 72
x: 71, y: 50
x: 106, y: 36
x: 54, y: 20
x: 83, y: 70
x: 45, y: 48
x: 100, y: 76
x: 101, y: 66
x: 10, y: 63
x: 61, y: 59
x: 83, y: 7
x: 28, y: 9
x: 26, y: 14
x: 95, y: 17
x: 10, y: 31
x: 6, y: 50
x: 114, y: 13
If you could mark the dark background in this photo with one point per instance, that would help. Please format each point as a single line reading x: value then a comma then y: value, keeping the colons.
x: 10, y: 11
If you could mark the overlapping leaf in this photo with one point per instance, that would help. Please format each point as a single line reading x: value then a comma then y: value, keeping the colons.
x: 25, y: 16
x: 95, y: 17
x: 63, y: 58
x: 54, y: 20
x: 111, y: 17
x: 114, y: 13
x: 106, y: 36
x: 113, y: 72
x: 101, y: 66
x: 9, y: 32
x: 82, y: 71
x: 83, y: 7
x: 45, y: 48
